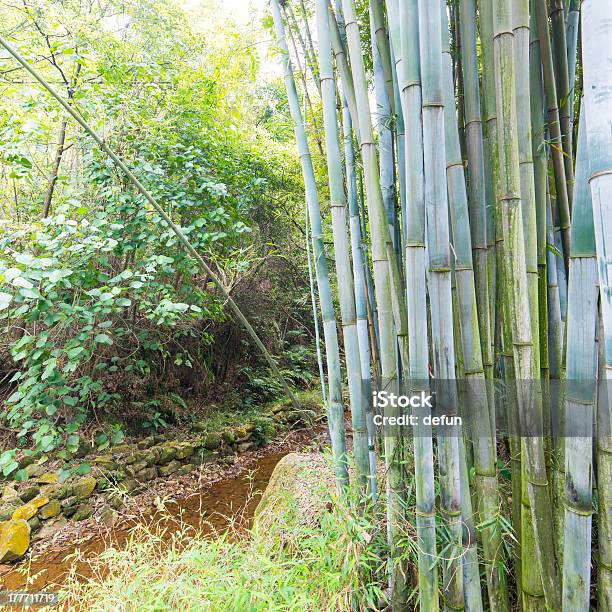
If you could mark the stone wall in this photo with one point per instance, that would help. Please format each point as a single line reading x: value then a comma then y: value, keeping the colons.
x: 40, y: 506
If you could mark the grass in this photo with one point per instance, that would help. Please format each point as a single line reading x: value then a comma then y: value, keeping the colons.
x: 319, y: 553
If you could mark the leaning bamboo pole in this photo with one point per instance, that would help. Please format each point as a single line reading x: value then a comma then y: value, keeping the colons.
x: 597, y: 59
x: 409, y: 79
x: 440, y: 291
x: 335, y: 410
x: 580, y: 393
x: 487, y: 493
x: 559, y: 43
x: 554, y: 126
x: 341, y: 246
x: 529, y: 399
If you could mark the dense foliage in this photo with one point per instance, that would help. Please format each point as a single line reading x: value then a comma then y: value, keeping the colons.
x: 101, y: 310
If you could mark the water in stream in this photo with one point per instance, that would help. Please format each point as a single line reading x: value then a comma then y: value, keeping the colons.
x: 208, y: 511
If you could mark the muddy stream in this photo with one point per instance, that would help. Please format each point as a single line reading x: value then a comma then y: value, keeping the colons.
x: 208, y: 511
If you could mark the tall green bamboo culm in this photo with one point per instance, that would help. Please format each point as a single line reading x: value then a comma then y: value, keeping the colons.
x: 313, y: 301
x: 440, y: 290
x: 520, y: 18
x: 384, y: 122
x: 409, y: 79
x: 554, y: 126
x: 597, y: 59
x: 580, y: 392
x: 487, y: 493
x: 359, y: 275
x: 540, y: 172
x: 491, y: 155
x: 560, y: 48
x: 335, y: 410
x: 162, y: 213
x: 389, y: 299
x: 573, y: 27
x: 515, y: 272
x: 477, y: 201
x: 341, y: 246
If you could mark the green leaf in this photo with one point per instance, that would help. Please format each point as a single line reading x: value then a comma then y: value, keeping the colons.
x: 5, y: 300
x: 103, y: 339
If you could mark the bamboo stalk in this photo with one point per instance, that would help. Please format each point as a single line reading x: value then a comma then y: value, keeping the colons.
x: 529, y: 400
x: 440, y: 291
x: 476, y: 176
x: 557, y: 19
x: 554, y: 126
x: 409, y: 79
x: 597, y: 58
x: 334, y: 407
x: 341, y: 247
x: 473, y: 369
x: 580, y: 391
x: 389, y: 298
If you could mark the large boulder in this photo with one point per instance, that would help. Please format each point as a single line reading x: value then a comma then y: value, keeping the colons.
x: 294, y: 493
x: 14, y: 539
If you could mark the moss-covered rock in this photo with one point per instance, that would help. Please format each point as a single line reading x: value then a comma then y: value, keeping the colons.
x: 186, y: 469
x: 29, y: 493
x: 228, y: 436
x: 146, y: 474
x: 132, y: 470
x: 84, y: 511
x: 34, y: 470
x: 184, y: 451
x: 212, y: 441
x: 169, y: 469
x: 146, y: 443
x: 246, y: 446
x: 167, y: 453
x: 106, y: 462
x: 199, y: 427
x: 30, y: 509
x: 34, y: 523
x: 84, y: 487
x: 50, y: 510
x: 14, y: 540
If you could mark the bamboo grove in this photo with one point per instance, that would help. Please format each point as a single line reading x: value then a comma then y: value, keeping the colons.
x: 469, y: 179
